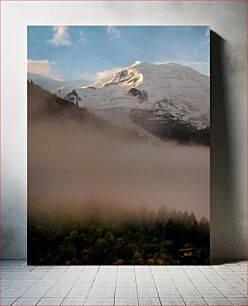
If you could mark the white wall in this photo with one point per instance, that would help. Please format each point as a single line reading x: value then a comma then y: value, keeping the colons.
x: 228, y: 102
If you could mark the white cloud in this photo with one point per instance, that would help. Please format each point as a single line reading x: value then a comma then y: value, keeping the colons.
x: 114, y: 32
x: 61, y: 36
x: 105, y: 74
x: 206, y: 38
x: 100, y: 75
x: 82, y: 36
x: 41, y: 67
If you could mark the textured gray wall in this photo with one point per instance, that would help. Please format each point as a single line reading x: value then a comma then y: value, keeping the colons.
x: 227, y: 20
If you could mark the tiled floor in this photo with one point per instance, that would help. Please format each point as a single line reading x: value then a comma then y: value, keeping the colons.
x: 123, y: 285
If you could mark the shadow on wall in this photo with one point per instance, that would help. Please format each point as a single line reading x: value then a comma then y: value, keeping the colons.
x: 223, y: 227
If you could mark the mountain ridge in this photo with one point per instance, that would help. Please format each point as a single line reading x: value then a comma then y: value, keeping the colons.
x: 171, y: 95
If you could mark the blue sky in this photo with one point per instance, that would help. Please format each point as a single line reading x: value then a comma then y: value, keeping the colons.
x: 72, y: 52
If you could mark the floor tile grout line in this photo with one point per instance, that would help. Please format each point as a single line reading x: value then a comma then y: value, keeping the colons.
x: 242, y: 264
x: 135, y: 277
x: 237, y: 273
x: 204, y: 298
x: 206, y: 274
x: 73, y: 284
x: 38, y: 301
x: 14, y: 301
x: 87, y: 295
x: 116, y: 283
x: 175, y: 285
x: 25, y: 291
x: 155, y: 285
x: 193, y: 285
x: 29, y: 289
x: 236, y: 304
x: 210, y: 282
x: 44, y: 293
x: 231, y: 284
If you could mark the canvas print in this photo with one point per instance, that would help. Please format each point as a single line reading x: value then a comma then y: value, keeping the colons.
x: 118, y: 145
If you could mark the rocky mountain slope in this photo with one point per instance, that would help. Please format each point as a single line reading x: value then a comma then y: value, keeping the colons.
x: 166, y: 101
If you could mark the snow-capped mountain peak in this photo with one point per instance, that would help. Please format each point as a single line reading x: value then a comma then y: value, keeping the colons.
x: 164, y: 90
x: 125, y: 78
